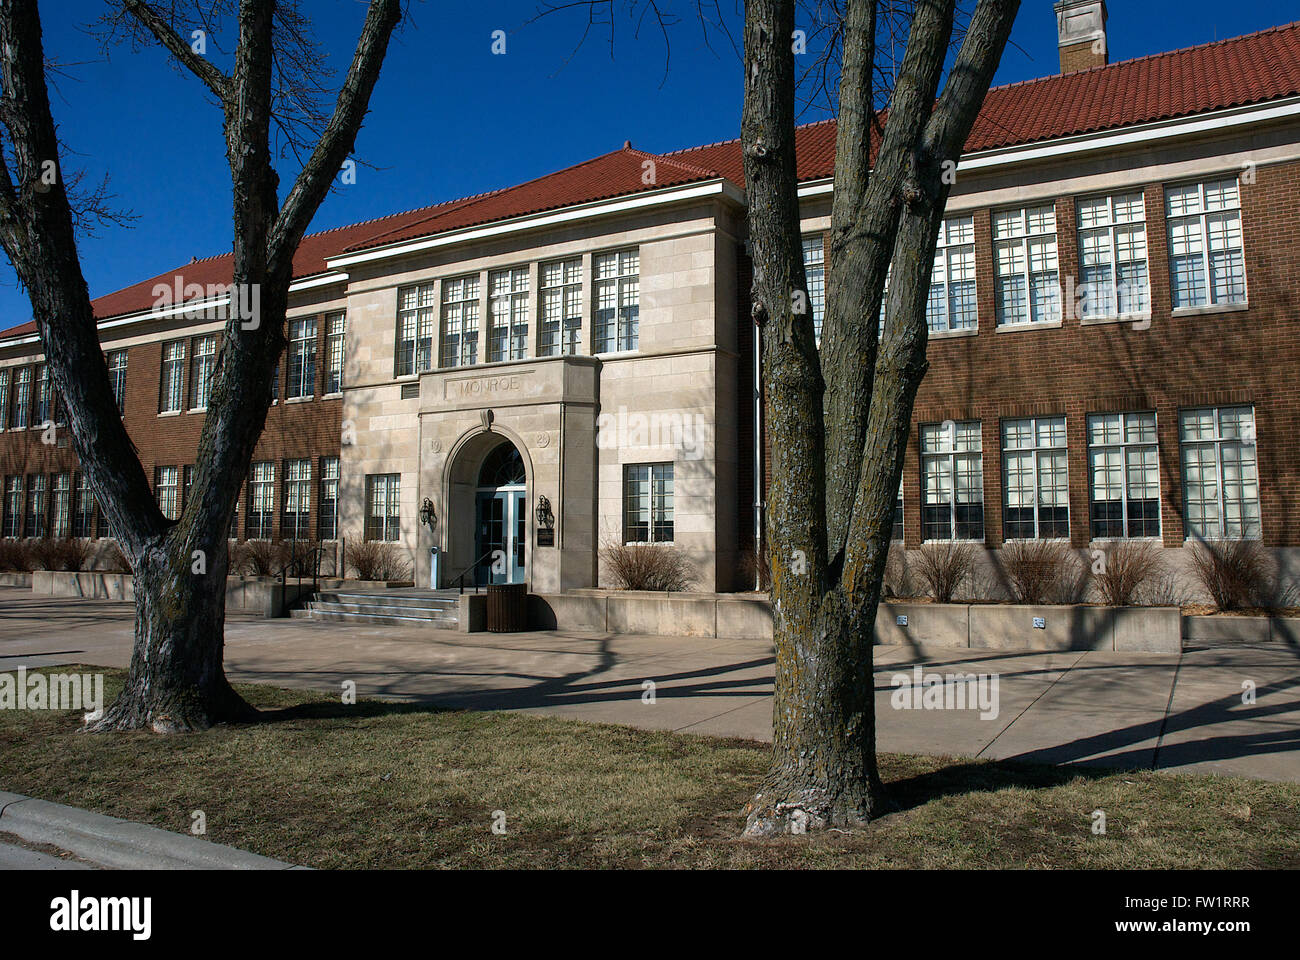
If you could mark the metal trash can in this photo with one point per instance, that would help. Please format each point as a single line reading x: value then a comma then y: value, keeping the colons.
x: 507, y: 607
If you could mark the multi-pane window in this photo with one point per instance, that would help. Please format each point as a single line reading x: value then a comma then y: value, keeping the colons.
x: 1113, y: 255
x: 814, y: 269
x: 61, y: 504
x: 327, y: 524
x: 648, y: 503
x: 4, y: 399
x: 1035, y: 479
x: 22, y: 398
x: 952, y: 304
x: 1206, y: 263
x: 83, y: 509
x: 117, y: 377
x: 300, y: 379
x: 1124, y: 467
x: 167, y: 489
x: 561, y: 283
x: 459, y: 321
x: 415, y: 316
x: 43, y: 408
x: 261, y: 500
x: 171, y: 392
x: 1220, y: 475
x: 952, y: 472
x: 383, y: 517
x: 201, y: 366
x: 10, y: 524
x: 618, y: 299
x: 508, y: 312
x: 1028, y: 279
x: 187, y: 482
x: 36, y: 518
x: 295, y: 524
x: 334, y: 328
x: 897, y: 532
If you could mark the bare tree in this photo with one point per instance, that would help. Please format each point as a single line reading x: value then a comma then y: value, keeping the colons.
x: 838, y: 420
x: 176, y: 680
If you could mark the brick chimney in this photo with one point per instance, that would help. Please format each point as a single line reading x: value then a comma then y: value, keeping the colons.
x: 1081, y: 34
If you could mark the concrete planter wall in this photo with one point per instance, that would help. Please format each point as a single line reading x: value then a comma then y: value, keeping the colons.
x: 12, y: 579
x: 956, y: 625
x: 257, y: 595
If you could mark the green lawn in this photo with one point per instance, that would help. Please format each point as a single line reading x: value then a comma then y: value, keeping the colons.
x: 390, y: 785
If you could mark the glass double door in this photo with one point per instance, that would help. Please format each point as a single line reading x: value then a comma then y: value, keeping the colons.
x: 501, y: 533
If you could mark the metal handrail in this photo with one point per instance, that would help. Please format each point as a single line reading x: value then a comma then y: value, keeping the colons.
x: 459, y: 581
x: 296, y: 561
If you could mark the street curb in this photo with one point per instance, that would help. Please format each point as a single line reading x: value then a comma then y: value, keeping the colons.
x: 121, y: 844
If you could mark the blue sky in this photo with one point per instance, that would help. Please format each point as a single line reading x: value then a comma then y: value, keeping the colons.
x: 450, y: 118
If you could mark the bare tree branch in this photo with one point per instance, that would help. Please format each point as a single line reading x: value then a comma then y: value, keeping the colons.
x: 158, y: 25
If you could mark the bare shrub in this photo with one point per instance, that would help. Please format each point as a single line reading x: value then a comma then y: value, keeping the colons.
x: 1235, y: 573
x: 1043, y: 571
x: 377, y: 560
x: 897, y: 581
x: 264, y: 558
x: 943, y: 566
x: 237, y: 563
x: 1125, y: 571
x: 754, y: 570
x: 59, y: 553
x: 646, y: 566
x: 115, y: 560
x: 299, y: 557
x: 15, y: 556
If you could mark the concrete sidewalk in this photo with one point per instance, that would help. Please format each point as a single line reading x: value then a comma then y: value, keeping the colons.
x: 1165, y: 711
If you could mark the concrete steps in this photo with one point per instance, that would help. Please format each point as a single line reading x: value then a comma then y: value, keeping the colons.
x: 409, y: 609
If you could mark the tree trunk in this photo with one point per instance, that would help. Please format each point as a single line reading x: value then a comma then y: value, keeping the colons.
x: 176, y: 682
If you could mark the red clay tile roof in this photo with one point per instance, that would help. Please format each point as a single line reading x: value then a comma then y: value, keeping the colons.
x: 1254, y: 68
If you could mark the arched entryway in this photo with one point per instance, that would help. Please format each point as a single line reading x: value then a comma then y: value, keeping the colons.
x: 501, y: 516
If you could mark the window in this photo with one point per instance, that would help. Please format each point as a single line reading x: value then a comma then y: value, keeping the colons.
x: 61, y: 504
x: 117, y: 377
x: 327, y: 524
x: 952, y: 304
x: 11, y: 523
x: 1124, y: 465
x: 295, y: 524
x: 897, y: 532
x: 383, y: 520
x: 187, y: 481
x: 1220, y: 480
x: 201, y: 367
x: 36, y: 519
x: 1035, y: 479
x: 261, y: 500
x: 334, y: 329
x: 1113, y: 255
x: 508, y: 310
x: 814, y: 269
x: 274, y: 396
x: 42, y: 408
x: 167, y: 490
x: 83, y: 509
x: 4, y: 399
x: 561, y: 282
x: 459, y: 321
x: 415, y: 314
x: 300, y: 379
x: 1206, y: 264
x: 952, y: 472
x: 22, y: 398
x: 171, y: 393
x: 1024, y: 251
x: 618, y: 292
x: 648, y: 503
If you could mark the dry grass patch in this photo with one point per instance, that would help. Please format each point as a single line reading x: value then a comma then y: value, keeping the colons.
x: 403, y: 786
